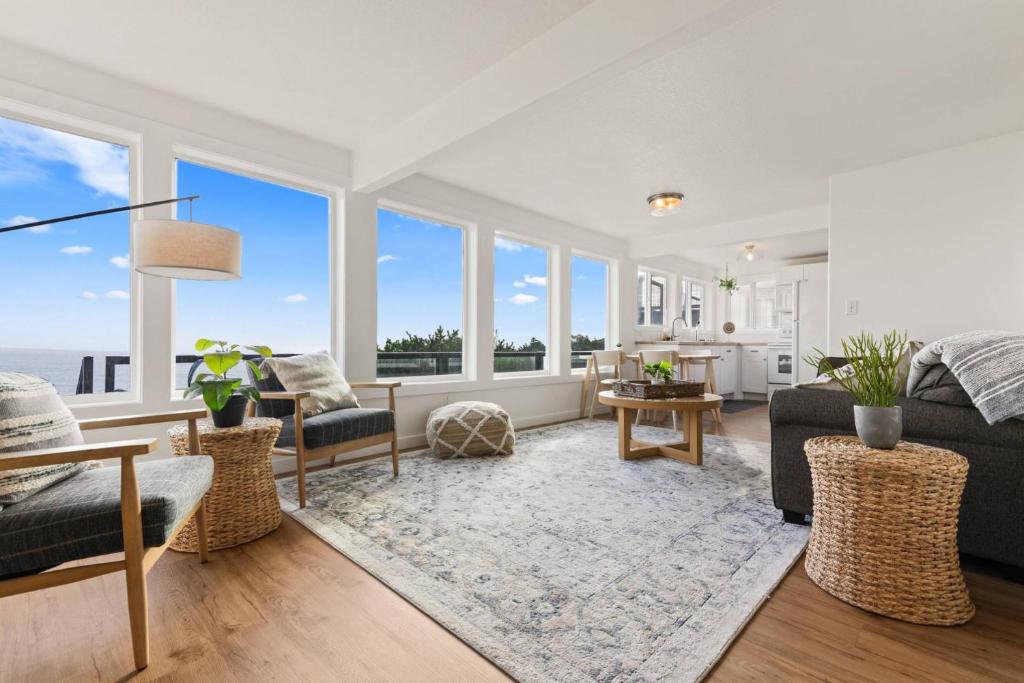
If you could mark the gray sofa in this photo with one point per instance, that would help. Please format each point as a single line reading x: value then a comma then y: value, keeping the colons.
x: 992, y: 511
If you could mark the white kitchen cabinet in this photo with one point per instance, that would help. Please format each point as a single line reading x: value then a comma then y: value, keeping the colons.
x: 725, y: 367
x: 754, y: 370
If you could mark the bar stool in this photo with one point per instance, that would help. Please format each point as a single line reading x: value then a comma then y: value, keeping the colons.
x: 609, y: 362
x: 710, y: 385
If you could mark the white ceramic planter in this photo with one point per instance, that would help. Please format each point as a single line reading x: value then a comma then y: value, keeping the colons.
x: 879, y: 427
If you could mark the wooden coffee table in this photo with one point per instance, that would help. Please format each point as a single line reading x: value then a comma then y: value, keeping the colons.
x: 692, y: 410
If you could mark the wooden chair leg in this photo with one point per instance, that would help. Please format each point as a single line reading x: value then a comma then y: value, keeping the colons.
x: 201, y: 532
x: 331, y: 461
x: 585, y: 386
x: 300, y: 474
x: 712, y: 388
x: 394, y: 452
x: 135, y: 573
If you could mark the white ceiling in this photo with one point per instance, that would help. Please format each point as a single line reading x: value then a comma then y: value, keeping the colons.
x: 774, y: 249
x: 756, y: 117
x: 335, y: 70
x: 749, y: 117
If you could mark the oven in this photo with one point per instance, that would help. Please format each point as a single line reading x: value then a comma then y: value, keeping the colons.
x: 780, y: 364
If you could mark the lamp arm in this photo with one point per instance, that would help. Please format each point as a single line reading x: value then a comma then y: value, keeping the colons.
x: 98, y: 213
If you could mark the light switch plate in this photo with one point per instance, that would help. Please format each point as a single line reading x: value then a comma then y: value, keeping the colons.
x: 852, y: 306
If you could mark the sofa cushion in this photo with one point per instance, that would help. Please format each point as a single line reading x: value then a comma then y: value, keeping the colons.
x: 318, y: 374
x: 33, y: 416
x: 81, y: 517
x: 338, y: 426
x: 941, y: 386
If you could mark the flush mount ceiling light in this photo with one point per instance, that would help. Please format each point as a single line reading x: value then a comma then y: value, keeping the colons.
x: 750, y: 251
x: 664, y: 203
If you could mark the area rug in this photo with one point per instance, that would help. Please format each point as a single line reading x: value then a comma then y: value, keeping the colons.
x: 738, y: 406
x: 562, y: 562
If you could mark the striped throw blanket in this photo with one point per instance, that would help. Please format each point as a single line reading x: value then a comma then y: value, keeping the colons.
x: 989, y: 365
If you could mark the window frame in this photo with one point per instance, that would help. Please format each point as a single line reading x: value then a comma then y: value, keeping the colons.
x: 132, y: 141
x: 685, y: 310
x: 666, y: 306
x: 552, y: 285
x: 608, y: 308
x: 748, y: 285
x: 335, y: 204
x: 468, y: 319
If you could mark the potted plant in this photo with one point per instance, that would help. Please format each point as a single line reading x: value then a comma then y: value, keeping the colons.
x: 225, y: 396
x: 659, y: 373
x: 729, y: 284
x: 873, y: 375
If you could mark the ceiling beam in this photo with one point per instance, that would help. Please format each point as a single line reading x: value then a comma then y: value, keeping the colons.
x: 604, y: 39
x: 791, y: 222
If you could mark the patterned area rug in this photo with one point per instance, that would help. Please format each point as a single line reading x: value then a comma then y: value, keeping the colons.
x: 562, y: 562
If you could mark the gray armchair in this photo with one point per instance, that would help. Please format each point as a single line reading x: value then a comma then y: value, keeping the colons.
x: 328, y: 434
x: 134, y: 509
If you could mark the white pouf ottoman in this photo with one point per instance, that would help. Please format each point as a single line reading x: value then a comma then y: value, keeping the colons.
x: 470, y: 428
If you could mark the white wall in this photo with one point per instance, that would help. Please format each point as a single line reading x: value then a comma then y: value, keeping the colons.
x: 159, y: 127
x: 933, y: 244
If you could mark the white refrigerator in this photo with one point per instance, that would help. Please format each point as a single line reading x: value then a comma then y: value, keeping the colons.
x: 810, y: 319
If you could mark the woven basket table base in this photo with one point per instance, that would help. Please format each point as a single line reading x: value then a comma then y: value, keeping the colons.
x: 242, y: 503
x: 883, y: 533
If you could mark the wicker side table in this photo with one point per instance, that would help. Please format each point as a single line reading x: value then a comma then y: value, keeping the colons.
x: 883, y: 534
x: 242, y: 503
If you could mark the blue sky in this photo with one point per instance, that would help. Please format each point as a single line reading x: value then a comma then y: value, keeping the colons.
x: 66, y: 285
x: 72, y: 280
x: 283, y: 298
x: 419, y: 283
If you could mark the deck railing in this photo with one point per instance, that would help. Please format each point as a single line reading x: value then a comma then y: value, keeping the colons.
x: 389, y: 364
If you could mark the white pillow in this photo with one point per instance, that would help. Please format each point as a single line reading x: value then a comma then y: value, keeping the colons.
x: 318, y: 374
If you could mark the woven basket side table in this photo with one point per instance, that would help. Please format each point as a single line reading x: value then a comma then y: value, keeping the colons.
x: 242, y: 503
x: 883, y: 533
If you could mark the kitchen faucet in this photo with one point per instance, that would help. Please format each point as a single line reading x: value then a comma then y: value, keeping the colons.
x: 674, y: 335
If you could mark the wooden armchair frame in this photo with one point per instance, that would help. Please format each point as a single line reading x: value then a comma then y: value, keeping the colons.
x: 304, y: 455
x: 138, y: 560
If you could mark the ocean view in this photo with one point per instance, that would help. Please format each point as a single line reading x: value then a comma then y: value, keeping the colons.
x: 61, y: 367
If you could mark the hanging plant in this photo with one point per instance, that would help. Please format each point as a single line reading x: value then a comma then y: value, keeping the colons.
x: 729, y: 284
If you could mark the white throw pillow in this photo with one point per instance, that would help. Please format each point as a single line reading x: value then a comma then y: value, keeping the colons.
x: 318, y: 374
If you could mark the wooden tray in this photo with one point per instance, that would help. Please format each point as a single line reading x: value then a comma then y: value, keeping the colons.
x: 644, y: 389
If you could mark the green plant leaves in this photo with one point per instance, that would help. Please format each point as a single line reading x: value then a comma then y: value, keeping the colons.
x: 202, y: 344
x: 875, y: 375
x: 222, y: 361
x: 256, y: 372
x: 261, y: 349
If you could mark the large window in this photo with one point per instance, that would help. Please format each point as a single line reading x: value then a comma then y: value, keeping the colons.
x: 65, y: 313
x: 589, y: 328
x: 419, y: 296
x: 694, y: 307
x: 652, y: 290
x: 520, y: 306
x: 283, y: 299
x: 752, y: 306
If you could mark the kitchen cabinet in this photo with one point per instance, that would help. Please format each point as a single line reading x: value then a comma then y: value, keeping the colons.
x: 725, y: 367
x: 754, y: 370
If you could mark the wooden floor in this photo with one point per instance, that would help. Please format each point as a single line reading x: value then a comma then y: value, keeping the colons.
x: 290, y: 608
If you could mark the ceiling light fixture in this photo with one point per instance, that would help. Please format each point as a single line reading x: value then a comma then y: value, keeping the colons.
x: 750, y: 251
x: 664, y: 203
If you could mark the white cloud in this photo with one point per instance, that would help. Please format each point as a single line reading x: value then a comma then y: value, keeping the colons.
x: 518, y: 284
x: 86, y: 294
x: 21, y: 220
x: 521, y: 299
x: 120, y: 261
x: 507, y: 245
x: 118, y: 294
x: 294, y: 298
x: 385, y: 258
x: 100, y: 165
x: 539, y: 280
x: 75, y: 249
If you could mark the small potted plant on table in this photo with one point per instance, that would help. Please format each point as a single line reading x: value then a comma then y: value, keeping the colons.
x: 225, y: 396
x: 873, y: 375
x: 659, y: 373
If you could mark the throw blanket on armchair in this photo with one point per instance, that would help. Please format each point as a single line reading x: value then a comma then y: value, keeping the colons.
x: 989, y: 365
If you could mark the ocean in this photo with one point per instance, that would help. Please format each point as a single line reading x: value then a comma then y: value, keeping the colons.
x: 61, y: 368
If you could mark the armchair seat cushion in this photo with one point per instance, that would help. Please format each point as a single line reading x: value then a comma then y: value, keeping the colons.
x: 338, y: 426
x: 81, y: 517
